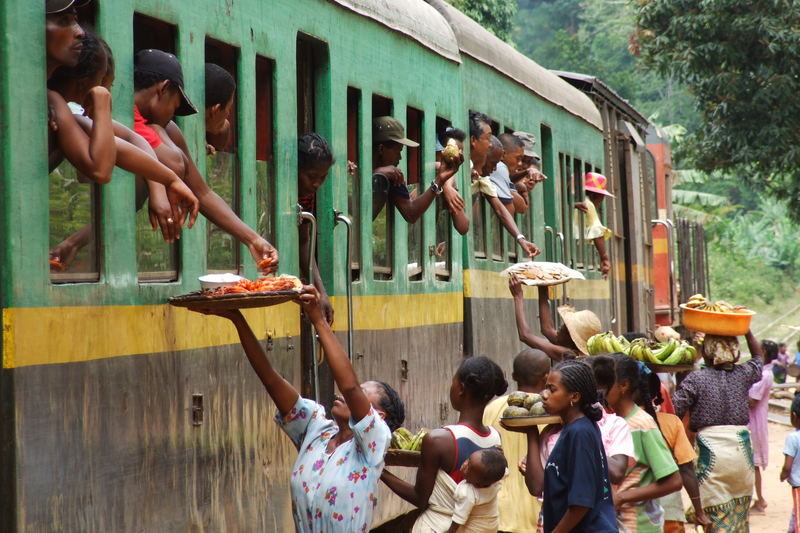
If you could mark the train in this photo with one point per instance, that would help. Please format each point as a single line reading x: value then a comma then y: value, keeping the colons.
x: 121, y: 413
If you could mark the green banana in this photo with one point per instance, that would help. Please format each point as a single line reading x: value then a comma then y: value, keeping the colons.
x: 615, y: 344
x: 666, y: 349
x: 676, y: 357
x: 691, y: 354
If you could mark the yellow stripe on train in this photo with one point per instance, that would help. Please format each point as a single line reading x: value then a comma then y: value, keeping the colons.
x: 489, y: 284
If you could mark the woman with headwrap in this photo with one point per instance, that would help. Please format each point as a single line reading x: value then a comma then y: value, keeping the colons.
x: 716, y: 399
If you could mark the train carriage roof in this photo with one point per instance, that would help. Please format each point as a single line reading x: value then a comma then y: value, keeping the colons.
x: 477, y: 42
x: 414, y: 19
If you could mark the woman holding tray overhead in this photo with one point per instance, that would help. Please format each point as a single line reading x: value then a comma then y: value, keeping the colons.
x: 716, y: 399
x: 334, y: 480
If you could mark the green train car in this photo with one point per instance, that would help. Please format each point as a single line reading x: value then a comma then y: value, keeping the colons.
x: 121, y: 413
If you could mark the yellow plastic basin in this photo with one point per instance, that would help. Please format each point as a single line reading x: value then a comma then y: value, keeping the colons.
x: 714, y: 323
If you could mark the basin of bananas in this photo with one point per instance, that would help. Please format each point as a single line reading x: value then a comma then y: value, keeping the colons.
x: 669, y: 353
x: 720, y: 318
x: 701, y: 303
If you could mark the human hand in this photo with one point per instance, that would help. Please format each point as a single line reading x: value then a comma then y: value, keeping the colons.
x: 455, y: 202
x: 531, y: 249
x: 352, y: 168
x: 310, y: 303
x: 162, y: 216
x: 181, y: 197
x: 393, y: 174
x: 210, y: 150
x: 98, y: 99
x: 619, y: 499
x: 515, y: 286
x: 260, y: 249
x: 581, y: 206
x: 448, y: 169
x: 703, y: 520
x: 63, y: 255
x: 605, y: 267
x: 523, y: 465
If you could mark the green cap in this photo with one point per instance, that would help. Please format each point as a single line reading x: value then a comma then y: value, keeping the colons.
x: 389, y: 129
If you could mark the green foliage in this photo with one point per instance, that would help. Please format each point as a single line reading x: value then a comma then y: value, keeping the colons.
x: 495, y: 15
x: 741, y: 61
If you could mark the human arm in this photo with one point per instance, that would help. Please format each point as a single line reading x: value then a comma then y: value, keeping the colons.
x: 67, y: 249
x: 412, y: 209
x: 617, y: 466
x: 453, y: 527
x: 689, y: 478
x: 605, y: 262
x: 93, y: 155
x: 555, y: 352
x: 545, y: 318
x: 435, y: 444
x: 508, y: 222
x: 281, y: 391
x: 753, y: 345
x: 520, y: 201
x: 571, y: 519
x: 455, y: 205
x: 786, y: 470
x: 212, y: 205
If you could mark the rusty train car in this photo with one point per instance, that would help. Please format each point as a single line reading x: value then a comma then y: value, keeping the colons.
x: 121, y: 413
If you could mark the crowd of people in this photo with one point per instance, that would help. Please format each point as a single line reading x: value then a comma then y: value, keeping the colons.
x: 621, y: 455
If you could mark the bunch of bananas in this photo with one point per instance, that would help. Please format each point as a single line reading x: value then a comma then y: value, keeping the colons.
x: 700, y: 302
x: 672, y: 352
x: 403, y: 439
x: 606, y: 343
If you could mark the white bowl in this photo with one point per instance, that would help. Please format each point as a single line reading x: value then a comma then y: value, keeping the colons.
x: 209, y: 282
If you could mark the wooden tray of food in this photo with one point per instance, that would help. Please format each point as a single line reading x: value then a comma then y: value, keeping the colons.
x: 397, y: 457
x: 671, y: 369
x: 541, y: 273
x: 200, y: 300
x: 528, y: 421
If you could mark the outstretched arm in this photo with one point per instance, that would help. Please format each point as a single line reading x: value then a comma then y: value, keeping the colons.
x: 412, y: 209
x: 508, y: 222
x: 555, y: 352
x: 435, y: 444
x: 545, y: 318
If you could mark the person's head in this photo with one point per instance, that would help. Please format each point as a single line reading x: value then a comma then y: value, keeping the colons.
x: 605, y: 375
x: 480, y: 135
x: 493, y: 156
x: 571, y: 388
x: 635, y: 384
x: 578, y: 328
x: 529, y: 142
x: 158, y: 83
x: 721, y: 352
x: 770, y: 349
x: 477, y: 380
x: 111, y: 67
x: 513, y: 151
x: 64, y: 36
x: 450, y: 132
x: 220, y: 87
x: 530, y: 370
x: 314, y: 161
x: 782, y: 348
x: 388, y: 140
x: 91, y: 69
x: 383, y: 398
x: 795, y: 411
x: 484, y: 467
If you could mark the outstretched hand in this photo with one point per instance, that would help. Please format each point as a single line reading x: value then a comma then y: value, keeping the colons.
x: 310, y: 303
x: 515, y: 286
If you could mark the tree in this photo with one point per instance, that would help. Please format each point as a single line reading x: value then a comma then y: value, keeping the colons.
x: 741, y: 60
x: 495, y: 15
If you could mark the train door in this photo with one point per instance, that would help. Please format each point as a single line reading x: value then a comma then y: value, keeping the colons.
x: 313, y: 115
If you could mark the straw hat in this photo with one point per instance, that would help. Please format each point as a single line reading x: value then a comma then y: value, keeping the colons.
x: 581, y: 325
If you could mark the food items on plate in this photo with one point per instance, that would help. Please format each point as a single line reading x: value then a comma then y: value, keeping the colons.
x: 671, y: 352
x: 267, y: 265
x: 524, y: 404
x: 541, y: 273
x: 283, y: 282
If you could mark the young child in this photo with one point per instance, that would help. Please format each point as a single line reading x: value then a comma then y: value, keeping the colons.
x: 758, y: 403
x: 781, y: 363
x: 475, y: 508
x: 791, y: 465
x: 596, y: 187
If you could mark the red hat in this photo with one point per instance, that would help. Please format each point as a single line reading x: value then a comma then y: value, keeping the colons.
x: 597, y: 183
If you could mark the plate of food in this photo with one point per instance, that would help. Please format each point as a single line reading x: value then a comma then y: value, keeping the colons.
x: 537, y: 273
x: 525, y: 410
x: 242, y: 294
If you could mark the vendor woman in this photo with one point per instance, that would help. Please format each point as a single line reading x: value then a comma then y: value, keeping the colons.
x: 334, y: 480
x: 716, y: 400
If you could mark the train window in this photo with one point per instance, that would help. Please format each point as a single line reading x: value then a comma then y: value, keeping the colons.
x: 354, y: 180
x: 414, y: 128
x: 74, y: 251
x: 265, y: 149
x: 157, y: 261
x: 383, y: 220
x: 222, y: 161
x: 444, y: 241
x: 478, y: 226
x: 311, y: 60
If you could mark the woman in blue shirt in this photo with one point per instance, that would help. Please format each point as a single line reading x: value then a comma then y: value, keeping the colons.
x: 575, y: 481
x: 334, y: 480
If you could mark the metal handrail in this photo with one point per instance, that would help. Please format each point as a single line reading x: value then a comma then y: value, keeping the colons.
x: 670, y: 227
x: 551, y: 231
x: 338, y: 216
x: 560, y: 235
x: 307, y: 216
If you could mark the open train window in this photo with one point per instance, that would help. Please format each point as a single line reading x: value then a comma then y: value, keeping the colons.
x: 265, y: 148
x: 415, y: 157
x: 442, y: 249
x: 156, y: 260
x: 354, y: 137
x: 383, y: 219
x: 222, y: 158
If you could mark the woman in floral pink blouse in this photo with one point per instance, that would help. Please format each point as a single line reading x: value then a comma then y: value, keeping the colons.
x: 334, y: 480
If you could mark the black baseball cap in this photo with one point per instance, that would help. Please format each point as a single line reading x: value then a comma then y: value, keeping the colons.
x: 167, y: 65
x: 57, y: 6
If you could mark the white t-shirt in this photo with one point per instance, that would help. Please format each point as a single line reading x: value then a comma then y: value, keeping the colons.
x: 501, y: 179
x: 476, y: 509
